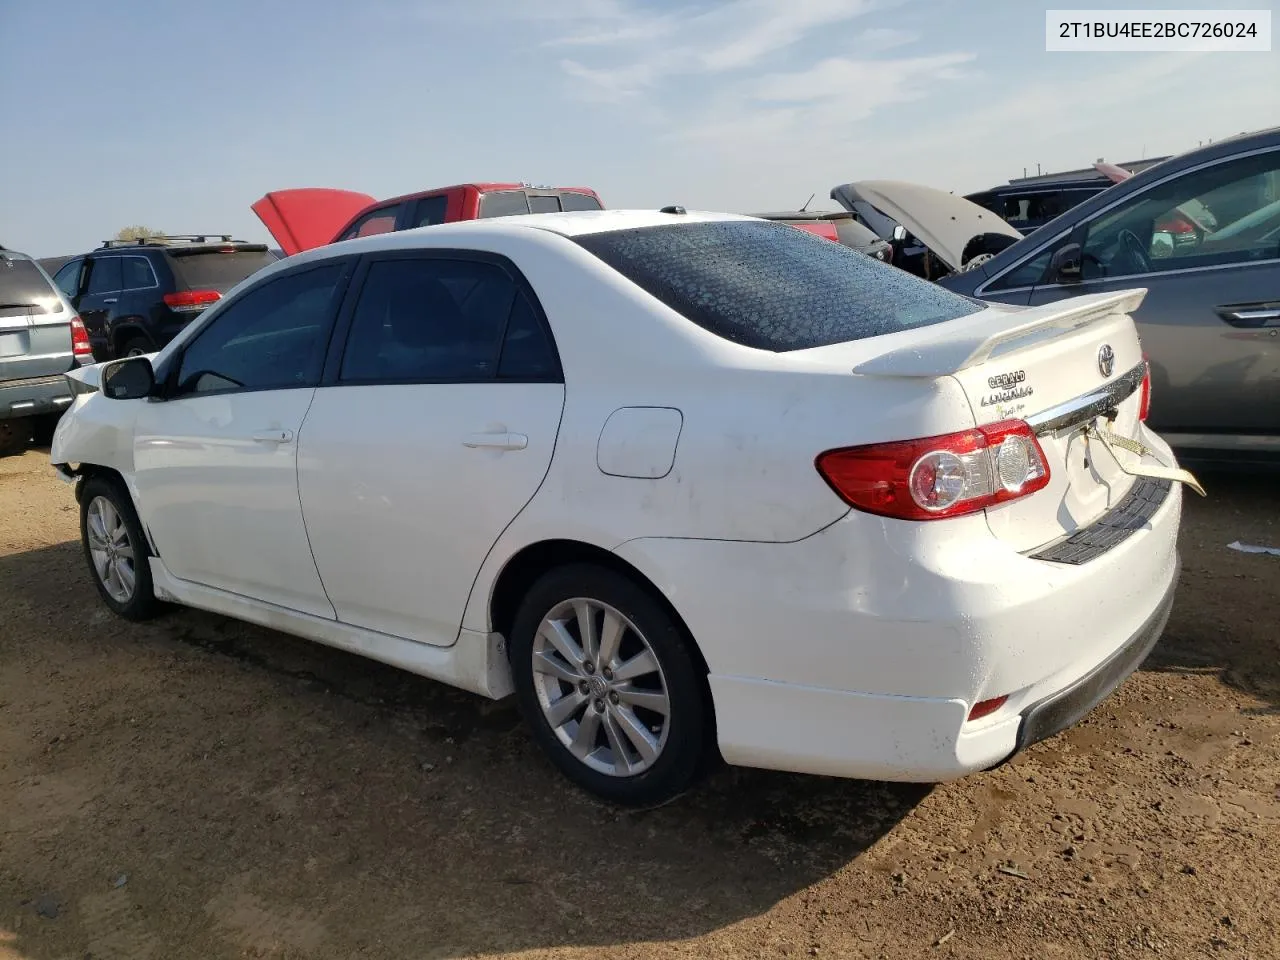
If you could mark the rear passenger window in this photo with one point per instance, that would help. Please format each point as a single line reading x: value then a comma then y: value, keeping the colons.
x: 578, y: 201
x: 504, y: 203
x: 527, y: 353
x: 137, y: 273
x: 382, y: 220
x: 434, y: 320
x: 430, y: 211
x: 104, y: 275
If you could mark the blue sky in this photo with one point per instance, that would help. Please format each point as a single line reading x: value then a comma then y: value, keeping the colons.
x: 180, y: 115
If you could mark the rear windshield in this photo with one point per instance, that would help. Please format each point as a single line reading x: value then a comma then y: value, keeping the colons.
x: 24, y: 289
x: 506, y: 203
x: 772, y: 287
x: 213, y: 269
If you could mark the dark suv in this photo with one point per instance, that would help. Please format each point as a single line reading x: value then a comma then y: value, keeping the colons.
x: 135, y: 295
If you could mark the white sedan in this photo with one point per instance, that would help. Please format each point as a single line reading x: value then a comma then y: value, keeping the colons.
x: 678, y: 481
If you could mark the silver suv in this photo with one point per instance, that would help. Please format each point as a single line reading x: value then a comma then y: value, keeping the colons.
x: 41, y: 338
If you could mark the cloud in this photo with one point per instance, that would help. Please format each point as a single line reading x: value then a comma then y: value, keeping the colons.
x: 640, y: 49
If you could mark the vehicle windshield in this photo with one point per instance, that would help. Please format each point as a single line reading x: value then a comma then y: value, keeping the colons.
x: 23, y: 288
x: 772, y: 287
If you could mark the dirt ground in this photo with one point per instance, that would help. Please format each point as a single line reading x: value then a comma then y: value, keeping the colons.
x: 201, y: 788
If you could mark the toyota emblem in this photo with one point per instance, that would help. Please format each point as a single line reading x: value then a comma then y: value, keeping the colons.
x: 1106, y: 359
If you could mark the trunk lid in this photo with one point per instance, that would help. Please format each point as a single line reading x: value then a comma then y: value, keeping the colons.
x: 308, y: 217
x: 1060, y: 367
x: 35, y: 322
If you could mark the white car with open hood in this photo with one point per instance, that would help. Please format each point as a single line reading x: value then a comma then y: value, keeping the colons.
x: 676, y: 480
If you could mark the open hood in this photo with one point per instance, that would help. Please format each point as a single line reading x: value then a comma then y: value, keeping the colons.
x: 309, y: 216
x: 943, y: 222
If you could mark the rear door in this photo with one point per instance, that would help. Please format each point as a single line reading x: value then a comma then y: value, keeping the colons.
x: 1210, y: 319
x: 433, y: 428
x: 35, y: 327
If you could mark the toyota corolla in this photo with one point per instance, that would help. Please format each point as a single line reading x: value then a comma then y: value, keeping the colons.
x: 679, y: 482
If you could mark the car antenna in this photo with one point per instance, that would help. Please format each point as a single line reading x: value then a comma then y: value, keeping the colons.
x: 807, y: 202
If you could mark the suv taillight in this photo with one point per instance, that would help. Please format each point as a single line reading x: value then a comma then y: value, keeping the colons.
x: 936, y: 477
x: 1144, y: 397
x: 80, y: 346
x: 189, y: 301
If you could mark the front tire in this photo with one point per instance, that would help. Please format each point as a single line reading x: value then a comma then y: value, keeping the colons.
x: 605, y: 677
x: 116, y: 549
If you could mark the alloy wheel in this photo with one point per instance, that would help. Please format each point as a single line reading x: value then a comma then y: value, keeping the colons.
x: 601, y: 687
x: 111, y: 549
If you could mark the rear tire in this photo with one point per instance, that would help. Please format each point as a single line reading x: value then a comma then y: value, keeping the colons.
x: 15, y: 432
x: 134, y: 346
x: 115, y: 549
x: 623, y: 713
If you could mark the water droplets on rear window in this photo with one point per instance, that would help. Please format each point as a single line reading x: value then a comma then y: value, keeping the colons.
x: 771, y: 286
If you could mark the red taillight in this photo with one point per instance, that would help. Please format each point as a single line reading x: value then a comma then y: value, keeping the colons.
x: 80, y: 347
x: 1144, y: 397
x: 985, y: 708
x: 191, y: 300
x: 936, y: 477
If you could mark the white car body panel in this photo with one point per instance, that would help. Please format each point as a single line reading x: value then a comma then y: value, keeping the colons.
x: 214, y: 484
x: 692, y: 459
x: 408, y: 466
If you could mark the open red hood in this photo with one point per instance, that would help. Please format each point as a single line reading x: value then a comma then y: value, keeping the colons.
x: 309, y: 216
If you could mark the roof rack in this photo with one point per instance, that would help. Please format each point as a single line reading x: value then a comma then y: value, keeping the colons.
x: 169, y: 238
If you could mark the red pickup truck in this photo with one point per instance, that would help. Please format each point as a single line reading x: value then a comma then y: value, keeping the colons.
x: 314, y: 216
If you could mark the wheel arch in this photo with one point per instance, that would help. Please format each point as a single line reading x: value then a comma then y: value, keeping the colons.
x: 126, y: 330
x: 529, y: 563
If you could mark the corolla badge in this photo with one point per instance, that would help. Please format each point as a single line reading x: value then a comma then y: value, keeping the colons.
x: 1106, y: 359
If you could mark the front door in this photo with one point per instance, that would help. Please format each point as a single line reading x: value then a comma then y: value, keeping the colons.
x: 1206, y: 245
x: 98, y: 302
x: 427, y: 439
x: 216, y: 459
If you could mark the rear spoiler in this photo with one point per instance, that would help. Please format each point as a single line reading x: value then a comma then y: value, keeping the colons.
x: 970, y: 340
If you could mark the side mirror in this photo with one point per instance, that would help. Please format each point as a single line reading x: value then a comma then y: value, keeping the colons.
x: 129, y: 379
x: 1064, y: 266
x: 899, y: 233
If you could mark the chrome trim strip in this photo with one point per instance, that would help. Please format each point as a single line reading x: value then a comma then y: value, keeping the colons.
x: 1072, y: 413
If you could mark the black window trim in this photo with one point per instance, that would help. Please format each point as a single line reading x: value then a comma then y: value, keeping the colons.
x: 1075, y: 231
x: 331, y: 377
x: 167, y: 375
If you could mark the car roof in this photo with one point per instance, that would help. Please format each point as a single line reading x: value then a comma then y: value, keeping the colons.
x: 574, y: 224
x: 482, y: 187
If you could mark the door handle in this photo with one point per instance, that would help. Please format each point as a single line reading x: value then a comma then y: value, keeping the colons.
x: 110, y: 299
x: 1261, y: 315
x: 273, y: 436
x: 496, y: 441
